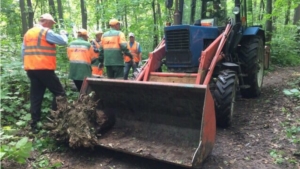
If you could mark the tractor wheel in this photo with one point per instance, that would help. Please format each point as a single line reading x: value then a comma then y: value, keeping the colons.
x: 224, y: 96
x: 252, y: 58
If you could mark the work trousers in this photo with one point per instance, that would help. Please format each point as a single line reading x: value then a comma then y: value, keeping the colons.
x: 78, y: 84
x: 115, y: 72
x: 39, y: 81
x: 128, y: 66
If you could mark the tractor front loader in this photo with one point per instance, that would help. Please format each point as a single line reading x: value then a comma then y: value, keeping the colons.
x: 172, y: 115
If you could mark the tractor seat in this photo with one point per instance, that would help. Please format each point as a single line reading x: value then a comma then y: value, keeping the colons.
x: 206, y: 22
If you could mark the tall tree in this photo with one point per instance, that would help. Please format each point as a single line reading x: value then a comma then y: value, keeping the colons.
x: 60, y: 14
x: 52, y: 9
x: 83, y: 14
x: 155, y: 36
x: 269, y: 21
x: 159, y: 17
x: 287, y: 14
x: 97, y: 13
x: 23, y: 16
x: 104, y: 25
x: 126, y: 21
x: 296, y: 19
x: 261, y: 10
x: 30, y: 13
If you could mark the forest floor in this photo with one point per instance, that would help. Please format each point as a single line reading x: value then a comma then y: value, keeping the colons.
x: 265, y: 134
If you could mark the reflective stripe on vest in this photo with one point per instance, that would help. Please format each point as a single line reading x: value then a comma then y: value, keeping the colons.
x: 134, y: 51
x: 79, y: 54
x: 38, y: 53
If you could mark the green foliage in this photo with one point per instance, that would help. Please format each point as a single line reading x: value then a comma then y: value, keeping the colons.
x: 43, y: 163
x: 285, y: 49
x: 14, y: 148
x: 14, y: 85
x: 292, y: 92
x: 277, y: 156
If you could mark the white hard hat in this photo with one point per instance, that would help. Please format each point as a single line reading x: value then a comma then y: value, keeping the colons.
x: 131, y: 34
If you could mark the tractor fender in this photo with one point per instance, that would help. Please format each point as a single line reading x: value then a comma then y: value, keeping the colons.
x: 255, y: 31
x: 231, y: 66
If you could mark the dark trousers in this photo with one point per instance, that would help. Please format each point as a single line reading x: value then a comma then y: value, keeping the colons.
x: 115, y: 72
x: 127, y: 67
x: 39, y: 81
x: 78, y: 84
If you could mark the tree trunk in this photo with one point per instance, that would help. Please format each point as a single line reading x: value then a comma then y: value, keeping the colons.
x: 269, y: 21
x: 261, y: 10
x: 60, y: 14
x: 23, y: 16
x: 97, y: 14
x: 126, y: 23
x: 155, y: 37
x: 30, y: 13
x: 83, y: 14
x: 104, y: 24
x: 297, y: 16
x: 160, y: 19
x: 52, y: 9
x: 296, y: 21
x: 287, y: 14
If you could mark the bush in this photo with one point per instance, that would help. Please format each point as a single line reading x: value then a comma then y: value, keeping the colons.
x: 14, y: 148
x: 285, y: 46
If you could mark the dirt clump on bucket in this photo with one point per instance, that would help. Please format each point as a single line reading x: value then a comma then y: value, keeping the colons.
x: 79, y: 123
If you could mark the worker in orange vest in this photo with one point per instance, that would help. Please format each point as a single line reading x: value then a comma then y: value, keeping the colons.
x: 135, y: 49
x: 80, y: 53
x: 39, y: 58
x: 113, y: 46
x: 97, y: 71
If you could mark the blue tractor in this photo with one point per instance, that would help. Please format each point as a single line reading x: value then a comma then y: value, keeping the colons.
x: 196, y: 26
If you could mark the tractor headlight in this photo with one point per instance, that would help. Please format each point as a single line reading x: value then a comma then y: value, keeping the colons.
x: 236, y: 10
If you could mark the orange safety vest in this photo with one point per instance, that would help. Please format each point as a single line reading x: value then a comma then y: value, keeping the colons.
x: 96, y: 71
x: 134, y: 51
x: 80, y: 54
x: 38, y: 54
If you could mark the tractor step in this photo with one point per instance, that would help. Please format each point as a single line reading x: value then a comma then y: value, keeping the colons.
x: 244, y: 86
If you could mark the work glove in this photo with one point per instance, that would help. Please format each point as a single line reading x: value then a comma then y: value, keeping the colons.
x: 140, y: 64
x: 63, y: 32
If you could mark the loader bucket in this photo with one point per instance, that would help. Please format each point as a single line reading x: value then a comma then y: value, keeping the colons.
x: 169, y: 122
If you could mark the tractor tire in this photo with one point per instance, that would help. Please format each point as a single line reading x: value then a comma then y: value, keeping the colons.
x: 251, y: 55
x: 224, y: 95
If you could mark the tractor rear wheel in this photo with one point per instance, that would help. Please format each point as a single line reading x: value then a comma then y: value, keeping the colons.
x: 224, y: 96
x: 252, y: 58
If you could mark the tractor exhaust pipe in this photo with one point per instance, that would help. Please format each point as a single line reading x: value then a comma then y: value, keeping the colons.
x: 177, y: 15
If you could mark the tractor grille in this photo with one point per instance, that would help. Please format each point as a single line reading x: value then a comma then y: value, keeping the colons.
x: 177, y: 39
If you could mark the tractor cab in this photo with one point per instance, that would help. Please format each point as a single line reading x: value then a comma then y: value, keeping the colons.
x: 201, y: 12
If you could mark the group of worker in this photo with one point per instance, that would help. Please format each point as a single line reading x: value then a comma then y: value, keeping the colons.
x: 87, y: 59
